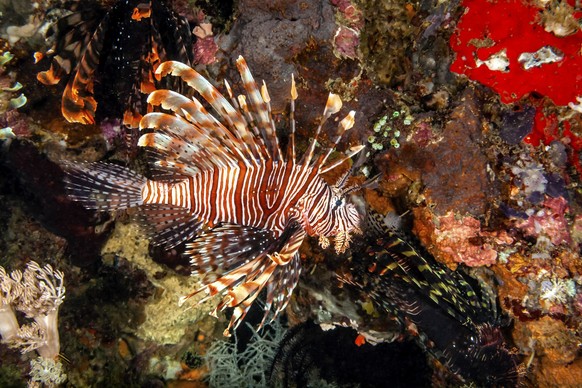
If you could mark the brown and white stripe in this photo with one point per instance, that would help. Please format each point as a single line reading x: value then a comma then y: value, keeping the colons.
x: 227, y: 175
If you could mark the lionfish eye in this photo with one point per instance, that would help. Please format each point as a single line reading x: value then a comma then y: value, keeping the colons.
x: 338, y: 203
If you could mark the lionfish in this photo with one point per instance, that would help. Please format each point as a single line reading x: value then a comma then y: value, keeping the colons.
x: 224, y: 184
x: 456, y: 321
x: 110, y: 55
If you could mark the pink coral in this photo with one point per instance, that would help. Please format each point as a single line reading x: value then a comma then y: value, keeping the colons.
x: 112, y: 131
x: 352, y: 15
x: 205, y: 48
x: 347, y: 37
x: 346, y: 42
x: 455, y: 238
x: 549, y: 221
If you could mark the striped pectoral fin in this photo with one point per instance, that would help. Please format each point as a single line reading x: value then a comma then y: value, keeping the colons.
x: 243, y: 296
x: 290, y: 241
x: 279, y: 288
x: 250, y: 259
x: 286, y: 272
x: 226, y: 247
x: 231, y: 280
x: 279, y: 281
x: 168, y: 225
x: 228, y: 256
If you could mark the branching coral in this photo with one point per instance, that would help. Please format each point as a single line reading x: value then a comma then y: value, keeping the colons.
x: 249, y: 368
x: 37, y: 292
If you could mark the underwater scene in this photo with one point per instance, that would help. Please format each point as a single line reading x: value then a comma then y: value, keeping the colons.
x: 297, y: 193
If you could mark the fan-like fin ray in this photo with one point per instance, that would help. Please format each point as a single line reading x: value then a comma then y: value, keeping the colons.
x: 203, y: 125
x: 280, y: 288
x: 180, y: 151
x: 233, y: 117
x: 261, y: 111
x: 223, y: 248
x: 104, y: 186
x: 168, y: 225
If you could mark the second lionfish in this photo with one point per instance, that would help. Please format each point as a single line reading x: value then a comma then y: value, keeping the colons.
x: 453, y: 316
x: 108, y: 57
x: 224, y: 184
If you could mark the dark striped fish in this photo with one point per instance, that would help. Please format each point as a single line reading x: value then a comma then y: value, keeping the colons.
x: 456, y: 321
x: 109, y: 57
x: 223, y: 182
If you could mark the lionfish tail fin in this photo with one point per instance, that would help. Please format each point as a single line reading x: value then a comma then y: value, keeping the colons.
x: 104, y: 186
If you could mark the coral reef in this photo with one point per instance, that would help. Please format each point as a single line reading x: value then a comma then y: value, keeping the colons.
x: 386, y: 40
x: 452, y: 317
x: 458, y: 239
x: 474, y: 128
x: 230, y: 366
x: 164, y: 323
x: 37, y: 292
x: 482, y: 38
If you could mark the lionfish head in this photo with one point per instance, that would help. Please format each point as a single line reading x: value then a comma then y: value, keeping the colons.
x: 344, y: 217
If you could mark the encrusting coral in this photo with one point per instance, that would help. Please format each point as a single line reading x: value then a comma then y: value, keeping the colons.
x: 37, y: 293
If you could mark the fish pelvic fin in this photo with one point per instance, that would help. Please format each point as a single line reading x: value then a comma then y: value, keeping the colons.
x: 272, y: 264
